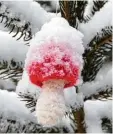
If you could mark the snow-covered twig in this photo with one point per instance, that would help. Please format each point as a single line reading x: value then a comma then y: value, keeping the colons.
x: 11, y: 58
x: 98, y: 22
x: 93, y: 7
x: 102, y: 95
x: 95, y: 111
x: 36, y: 16
x: 99, y: 50
x: 15, y: 126
x: 49, y: 6
x: 7, y: 85
x: 73, y: 11
x: 28, y: 92
x: 10, y: 49
x: 12, y: 108
x: 102, y: 82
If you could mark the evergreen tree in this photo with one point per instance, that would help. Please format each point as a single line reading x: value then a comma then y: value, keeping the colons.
x: 89, y: 103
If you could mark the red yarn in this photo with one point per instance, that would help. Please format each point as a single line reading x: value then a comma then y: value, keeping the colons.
x: 37, y: 77
x: 40, y: 72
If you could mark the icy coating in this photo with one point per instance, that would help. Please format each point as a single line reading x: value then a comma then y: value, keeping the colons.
x: 55, y: 53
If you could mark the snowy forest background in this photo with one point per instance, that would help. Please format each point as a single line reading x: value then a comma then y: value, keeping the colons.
x: 89, y: 104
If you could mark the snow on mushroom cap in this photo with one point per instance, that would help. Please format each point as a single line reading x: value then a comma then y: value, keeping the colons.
x: 55, y: 53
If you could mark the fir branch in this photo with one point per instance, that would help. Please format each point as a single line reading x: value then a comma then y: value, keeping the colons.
x: 48, y: 6
x: 73, y: 123
x: 67, y: 9
x: 80, y: 8
x: 29, y: 99
x: 97, y: 5
x: 11, y: 70
x: 106, y: 125
x: 100, y: 49
x: 79, y: 119
x: 16, y: 14
x: 78, y: 115
x: 14, y: 24
x: 13, y: 126
x: 73, y: 11
x: 101, y: 95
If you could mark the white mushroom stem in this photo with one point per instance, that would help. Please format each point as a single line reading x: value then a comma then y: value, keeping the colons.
x: 51, y: 104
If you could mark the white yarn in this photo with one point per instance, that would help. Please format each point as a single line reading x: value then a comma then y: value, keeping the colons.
x: 51, y: 107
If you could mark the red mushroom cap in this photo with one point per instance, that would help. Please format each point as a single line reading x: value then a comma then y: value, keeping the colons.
x: 57, y: 62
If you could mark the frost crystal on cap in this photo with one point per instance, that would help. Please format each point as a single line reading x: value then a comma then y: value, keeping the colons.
x: 55, y: 53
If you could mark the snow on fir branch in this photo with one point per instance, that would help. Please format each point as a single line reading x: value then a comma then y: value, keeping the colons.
x: 7, y: 85
x: 11, y: 58
x: 102, y: 82
x: 13, y: 126
x: 12, y: 49
x: 73, y: 11
x: 93, y: 6
x: 98, y: 110
x: 14, y: 24
x: 17, y: 11
x: 98, y: 52
x: 49, y: 6
x: 97, y: 23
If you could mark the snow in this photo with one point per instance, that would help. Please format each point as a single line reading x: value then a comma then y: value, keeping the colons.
x: 12, y: 108
x: 25, y: 86
x: 7, y: 85
x: 72, y: 98
x: 94, y: 112
x: 12, y: 49
x: 2, y: 28
x: 88, y: 8
x: 53, y: 5
x: 62, y: 32
x: 36, y: 15
x: 102, y: 80
x: 98, y: 22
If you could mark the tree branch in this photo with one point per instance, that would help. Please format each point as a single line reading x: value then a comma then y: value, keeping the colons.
x: 14, y: 70
x: 79, y: 114
x: 102, y: 95
x: 106, y: 125
x: 15, y: 16
x: 99, y: 49
x: 93, y: 7
x: 73, y: 11
x: 79, y: 119
x: 97, y: 5
x: 15, y: 126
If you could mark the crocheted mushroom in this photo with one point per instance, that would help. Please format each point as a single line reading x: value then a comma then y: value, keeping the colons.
x: 54, y: 62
